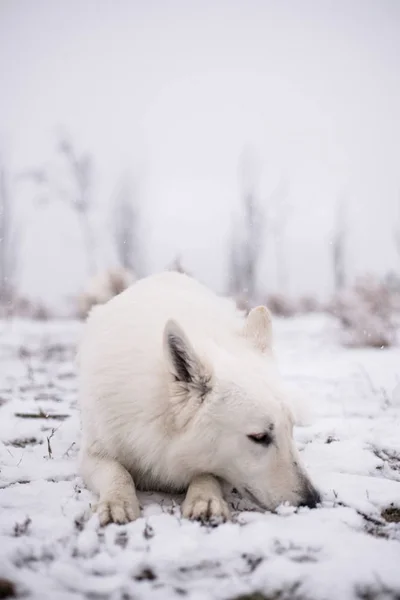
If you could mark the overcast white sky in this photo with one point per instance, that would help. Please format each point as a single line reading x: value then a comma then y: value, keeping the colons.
x: 175, y: 90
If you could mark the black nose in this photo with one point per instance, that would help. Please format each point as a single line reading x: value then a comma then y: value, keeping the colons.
x: 311, y: 497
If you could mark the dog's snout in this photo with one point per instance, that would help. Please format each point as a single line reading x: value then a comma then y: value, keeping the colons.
x: 311, y: 497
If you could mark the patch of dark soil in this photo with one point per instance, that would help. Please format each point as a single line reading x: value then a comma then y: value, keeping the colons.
x: 79, y: 523
x: 22, y: 528
x: 24, y: 353
x: 297, y: 553
x: 20, y: 482
x: 330, y: 439
x: 379, y: 532
x: 148, y: 532
x: 121, y: 539
x: 7, y: 588
x: 146, y: 575
x: 203, y: 565
x: 58, y: 353
x: 24, y: 442
x: 290, y: 593
x: 380, y: 528
x: 32, y: 561
x: 391, y: 514
x: 377, y: 592
x: 254, y: 596
x: 252, y: 562
x: 66, y: 375
x: 374, y: 526
x: 390, y: 458
x: 209, y: 568
x: 47, y: 397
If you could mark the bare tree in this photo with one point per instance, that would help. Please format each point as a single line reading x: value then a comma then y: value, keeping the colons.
x: 397, y: 234
x: 253, y: 219
x: 77, y: 194
x: 246, y: 241
x: 8, y: 241
x: 127, y: 229
x: 366, y: 311
x: 278, y: 220
x: 177, y: 265
x: 81, y: 170
x: 235, y: 271
x: 248, y: 236
x: 339, y: 246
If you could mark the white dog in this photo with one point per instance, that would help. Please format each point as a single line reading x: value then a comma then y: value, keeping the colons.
x: 179, y: 393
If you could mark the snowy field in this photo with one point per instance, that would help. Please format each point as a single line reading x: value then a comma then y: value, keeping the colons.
x: 52, y: 547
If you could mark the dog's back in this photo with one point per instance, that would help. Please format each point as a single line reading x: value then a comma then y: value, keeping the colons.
x: 139, y: 315
x: 121, y: 363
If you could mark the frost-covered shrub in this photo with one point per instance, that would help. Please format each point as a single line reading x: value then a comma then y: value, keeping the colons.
x: 281, y: 305
x: 308, y: 304
x: 102, y: 287
x: 392, y: 281
x: 366, y: 313
x: 25, y: 308
x: 177, y: 266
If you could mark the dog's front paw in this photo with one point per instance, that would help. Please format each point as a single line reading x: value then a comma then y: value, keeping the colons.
x: 117, y: 511
x: 202, y: 508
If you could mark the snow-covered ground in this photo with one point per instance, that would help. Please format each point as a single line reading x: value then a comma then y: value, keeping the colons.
x: 52, y: 547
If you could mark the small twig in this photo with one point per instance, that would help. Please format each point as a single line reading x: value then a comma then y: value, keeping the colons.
x: 66, y: 453
x: 365, y: 516
x: 41, y: 415
x: 22, y: 456
x: 368, y: 380
x: 49, y: 449
x: 8, y: 450
x: 376, y: 391
x: 26, y: 357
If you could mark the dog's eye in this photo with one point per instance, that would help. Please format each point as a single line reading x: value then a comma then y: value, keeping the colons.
x: 264, y: 439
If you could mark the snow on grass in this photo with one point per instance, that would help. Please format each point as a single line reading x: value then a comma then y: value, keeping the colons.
x: 51, y: 546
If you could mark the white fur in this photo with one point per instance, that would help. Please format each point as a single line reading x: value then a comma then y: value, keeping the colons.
x: 155, y: 420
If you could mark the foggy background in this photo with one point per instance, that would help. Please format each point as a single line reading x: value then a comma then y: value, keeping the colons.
x: 184, y: 107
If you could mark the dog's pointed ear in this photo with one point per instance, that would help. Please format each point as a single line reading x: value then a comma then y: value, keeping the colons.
x: 182, y: 360
x: 258, y: 328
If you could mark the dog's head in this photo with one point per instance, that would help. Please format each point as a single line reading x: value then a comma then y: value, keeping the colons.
x: 230, y: 407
